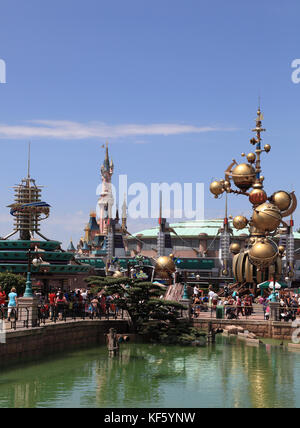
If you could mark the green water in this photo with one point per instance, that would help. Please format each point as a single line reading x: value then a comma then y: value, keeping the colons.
x: 227, y: 374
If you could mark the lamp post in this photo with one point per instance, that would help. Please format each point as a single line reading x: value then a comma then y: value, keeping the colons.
x: 185, y: 293
x: 36, y: 262
x: 28, y: 304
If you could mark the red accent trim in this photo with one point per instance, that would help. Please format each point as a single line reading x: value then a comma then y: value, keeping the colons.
x: 291, y: 222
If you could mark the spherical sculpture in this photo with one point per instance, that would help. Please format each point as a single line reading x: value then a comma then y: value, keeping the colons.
x: 258, y: 196
x: 281, y: 249
x: 235, y: 248
x: 282, y: 200
x: 267, y: 148
x: 216, y: 188
x: 263, y: 254
x: 251, y: 157
x: 243, y: 176
x: 266, y: 217
x: 165, y: 264
x: 240, y: 222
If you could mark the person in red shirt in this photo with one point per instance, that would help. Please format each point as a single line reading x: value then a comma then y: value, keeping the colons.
x: 52, y: 303
x: 2, y: 300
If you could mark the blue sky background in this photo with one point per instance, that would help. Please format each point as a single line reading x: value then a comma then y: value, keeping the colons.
x: 196, y: 63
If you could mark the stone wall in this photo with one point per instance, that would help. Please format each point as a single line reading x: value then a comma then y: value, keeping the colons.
x: 29, y: 344
x: 266, y: 329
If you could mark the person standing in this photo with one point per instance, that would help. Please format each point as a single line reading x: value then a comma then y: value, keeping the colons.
x: 61, y: 303
x: 239, y: 306
x: 12, y: 302
x: 52, y: 302
x: 2, y: 301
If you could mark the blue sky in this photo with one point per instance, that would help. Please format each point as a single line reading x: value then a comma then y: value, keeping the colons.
x: 79, y: 72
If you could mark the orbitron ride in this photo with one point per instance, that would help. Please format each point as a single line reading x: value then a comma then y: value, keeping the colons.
x: 261, y: 259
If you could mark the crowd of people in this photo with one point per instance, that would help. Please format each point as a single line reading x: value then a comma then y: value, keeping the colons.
x: 58, y: 304
x: 235, y: 306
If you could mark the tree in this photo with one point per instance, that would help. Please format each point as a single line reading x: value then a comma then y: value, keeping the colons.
x: 10, y: 280
x: 149, y: 314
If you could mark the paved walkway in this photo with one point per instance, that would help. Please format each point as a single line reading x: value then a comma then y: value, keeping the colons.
x: 258, y: 314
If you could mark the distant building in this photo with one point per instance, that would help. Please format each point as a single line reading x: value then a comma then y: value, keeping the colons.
x: 104, y: 237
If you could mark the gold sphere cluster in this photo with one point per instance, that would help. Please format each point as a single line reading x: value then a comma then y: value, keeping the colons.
x: 267, y: 215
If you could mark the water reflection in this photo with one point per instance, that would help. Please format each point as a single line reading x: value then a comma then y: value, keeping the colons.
x: 228, y: 374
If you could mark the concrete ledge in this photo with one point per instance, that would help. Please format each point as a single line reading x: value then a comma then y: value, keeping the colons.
x: 35, y: 343
x: 267, y: 329
x: 294, y: 346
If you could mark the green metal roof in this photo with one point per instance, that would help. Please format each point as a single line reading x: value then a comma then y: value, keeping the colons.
x: 56, y: 269
x: 124, y: 262
x: 47, y: 256
x: 192, y: 229
x: 25, y: 245
x: 194, y: 264
x: 97, y: 263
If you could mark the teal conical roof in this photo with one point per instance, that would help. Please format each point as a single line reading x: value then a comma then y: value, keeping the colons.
x: 71, y: 247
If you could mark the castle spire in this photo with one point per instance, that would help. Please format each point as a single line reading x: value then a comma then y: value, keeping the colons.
x: 124, y: 214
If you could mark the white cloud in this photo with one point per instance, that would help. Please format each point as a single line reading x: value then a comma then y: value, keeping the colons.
x: 76, y: 131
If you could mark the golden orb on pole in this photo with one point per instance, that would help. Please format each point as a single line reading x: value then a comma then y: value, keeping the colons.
x: 235, y: 248
x: 266, y: 217
x: 281, y: 249
x: 240, y: 222
x: 251, y: 157
x: 165, y: 264
x: 216, y: 188
x: 267, y: 148
x: 243, y: 176
x: 281, y: 199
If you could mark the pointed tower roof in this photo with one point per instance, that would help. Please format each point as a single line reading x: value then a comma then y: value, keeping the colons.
x: 93, y: 225
x: 71, y: 247
x: 106, y: 163
x: 85, y: 246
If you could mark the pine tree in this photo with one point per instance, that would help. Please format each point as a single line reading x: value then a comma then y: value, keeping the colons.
x: 148, y: 313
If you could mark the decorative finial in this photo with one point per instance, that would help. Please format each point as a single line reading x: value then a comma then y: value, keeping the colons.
x: 28, y: 167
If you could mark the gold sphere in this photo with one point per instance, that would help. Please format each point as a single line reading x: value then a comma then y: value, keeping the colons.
x: 235, y: 248
x: 263, y: 254
x: 165, y: 264
x: 118, y: 274
x: 251, y: 157
x: 281, y: 199
x: 243, y: 176
x: 216, y: 188
x: 258, y: 196
x: 240, y: 222
x: 281, y: 249
x: 266, y: 217
x: 267, y: 148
